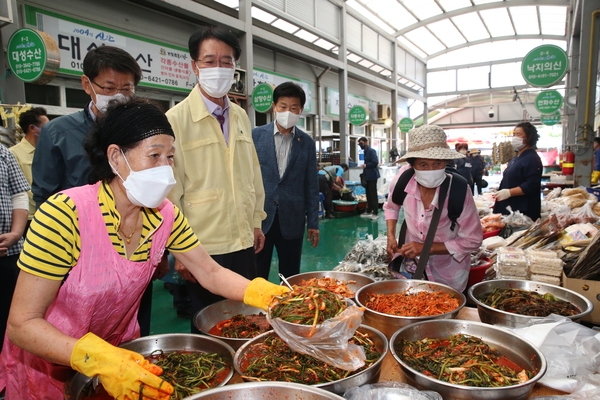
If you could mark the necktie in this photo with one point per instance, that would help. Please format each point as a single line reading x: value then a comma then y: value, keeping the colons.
x: 220, y: 119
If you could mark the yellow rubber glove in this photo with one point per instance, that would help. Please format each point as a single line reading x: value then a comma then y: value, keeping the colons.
x: 260, y: 292
x: 123, y: 373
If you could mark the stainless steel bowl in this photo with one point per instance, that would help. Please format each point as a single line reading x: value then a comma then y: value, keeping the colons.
x: 361, y: 280
x: 368, y: 375
x: 209, y: 316
x: 389, y: 324
x: 492, y: 315
x: 516, y: 349
x: 266, y: 391
x: 169, y: 342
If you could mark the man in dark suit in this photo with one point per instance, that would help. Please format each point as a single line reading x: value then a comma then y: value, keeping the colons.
x: 371, y: 171
x: 288, y: 164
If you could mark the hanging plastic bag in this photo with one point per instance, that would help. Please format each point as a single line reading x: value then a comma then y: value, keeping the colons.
x: 329, y: 342
x: 584, y: 214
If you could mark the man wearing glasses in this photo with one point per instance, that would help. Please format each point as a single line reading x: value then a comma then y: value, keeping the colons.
x: 219, y: 184
x: 60, y: 161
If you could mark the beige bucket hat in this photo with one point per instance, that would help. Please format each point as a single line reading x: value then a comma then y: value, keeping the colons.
x: 429, y: 141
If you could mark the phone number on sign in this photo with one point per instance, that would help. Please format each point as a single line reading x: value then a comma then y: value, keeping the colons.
x: 164, y: 81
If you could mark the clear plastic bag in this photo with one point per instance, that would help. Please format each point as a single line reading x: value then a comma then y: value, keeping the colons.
x: 329, y: 342
x: 389, y: 390
x: 584, y: 214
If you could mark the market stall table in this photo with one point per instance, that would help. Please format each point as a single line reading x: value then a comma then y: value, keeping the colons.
x: 390, y: 370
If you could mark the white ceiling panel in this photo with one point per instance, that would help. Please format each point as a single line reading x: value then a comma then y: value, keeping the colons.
x: 449, y: 5
x: 426, y: 41
x: 525, y: 19
x: 423, y: 9
x: 447, y: 33
x: 471, y: 26
x: 498, y: 22
x: 554, y: 20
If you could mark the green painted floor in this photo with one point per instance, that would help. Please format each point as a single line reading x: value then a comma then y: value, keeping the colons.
x: 337, y: 238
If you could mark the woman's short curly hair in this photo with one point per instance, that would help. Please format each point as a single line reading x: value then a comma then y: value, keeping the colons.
x: 126, y: 124
x: 531, y: 133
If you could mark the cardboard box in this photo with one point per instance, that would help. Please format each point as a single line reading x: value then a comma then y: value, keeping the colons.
x: 590, y: 290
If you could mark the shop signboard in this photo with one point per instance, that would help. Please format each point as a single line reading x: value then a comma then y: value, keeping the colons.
x: 550, y: 119
x: 262, y: 97
x: 163, y: 66
x: 548, y: 101
x: 33, y: 56
x: 405, y: 124
x: 333, y: 102
x: 260, y: 75
x: 357, y: 115
x: 544, y: 66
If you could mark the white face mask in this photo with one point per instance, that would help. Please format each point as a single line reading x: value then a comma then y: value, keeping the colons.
x: 216, y: 81
x: 517, y: 143
x: 463, y: 151
x: 102, y: 100
x: 149, y: 187
x: 287, y: 119
x: 430, y: 179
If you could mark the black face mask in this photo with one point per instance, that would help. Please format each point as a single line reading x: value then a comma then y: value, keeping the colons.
x: 361, y: 145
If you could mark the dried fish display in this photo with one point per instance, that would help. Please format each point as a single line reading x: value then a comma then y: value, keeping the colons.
x: 502, y: 153
x: 588, y: 265
x: 368, y: 257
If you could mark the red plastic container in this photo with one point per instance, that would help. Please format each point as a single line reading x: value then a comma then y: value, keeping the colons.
x: 492, y: 233
x: 476, y: 274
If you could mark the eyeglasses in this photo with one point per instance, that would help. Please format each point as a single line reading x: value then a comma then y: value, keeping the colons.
x: 127, y: 91
x: 226, y: 62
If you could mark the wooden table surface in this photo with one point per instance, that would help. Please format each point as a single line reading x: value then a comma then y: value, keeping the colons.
x: 390, y: 370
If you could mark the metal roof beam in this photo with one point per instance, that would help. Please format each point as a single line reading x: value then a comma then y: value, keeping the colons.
x: 479, y: 7
x: 496, y: 39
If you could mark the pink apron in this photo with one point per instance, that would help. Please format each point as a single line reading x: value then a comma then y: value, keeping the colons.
x: 101, y: 295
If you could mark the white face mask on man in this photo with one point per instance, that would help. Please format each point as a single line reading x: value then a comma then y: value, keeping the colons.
x: 430, y: 178
x: 148, y: 187
x: 102, y: 100
x: 287, y: 119
x: 216, y: 81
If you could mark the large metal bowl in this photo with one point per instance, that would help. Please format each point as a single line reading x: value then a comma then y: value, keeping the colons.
x: 368, y: 375
x: 492, y: 315
x: 389, y: 324
x: 209, y: 316
x: 516, y: 349
x: 360, y: 279
x: 266, y: 391
x: 74, y: 388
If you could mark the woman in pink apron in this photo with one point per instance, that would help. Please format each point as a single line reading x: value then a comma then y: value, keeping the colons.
x: 91, y: 252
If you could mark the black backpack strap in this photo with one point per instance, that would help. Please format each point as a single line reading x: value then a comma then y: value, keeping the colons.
x: 399, y: 193
x: 458, y: 191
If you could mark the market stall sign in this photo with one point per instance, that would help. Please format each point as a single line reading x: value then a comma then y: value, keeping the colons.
x: 357, y: 115
x: 275, y: 79
x: 262, y: 97
x: 33, y: 56
x: 544, y: 66
x: 405, y: 124
x: 550, y: 119
x: 548, y: 101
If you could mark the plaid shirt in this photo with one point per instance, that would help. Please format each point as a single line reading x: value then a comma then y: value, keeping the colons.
x: 12, y: 181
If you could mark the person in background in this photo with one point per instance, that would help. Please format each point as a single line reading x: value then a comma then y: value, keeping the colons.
x: 450, y: 259
x: 371, y: 171
x: 288, y: 166
x: 477, y: 170
x: 90, y: 254
x: 522, y: 179
x: 219, y: 184
x: 13, y: 220
x: 596, y: 171
x: 31, y: 122
x: 463, y: 165
x: 330, y: 184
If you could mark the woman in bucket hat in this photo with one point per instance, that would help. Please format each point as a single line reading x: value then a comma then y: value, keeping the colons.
x: 449, y: 263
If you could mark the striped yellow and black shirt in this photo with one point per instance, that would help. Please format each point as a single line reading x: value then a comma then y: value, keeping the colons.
x: 53, y: 242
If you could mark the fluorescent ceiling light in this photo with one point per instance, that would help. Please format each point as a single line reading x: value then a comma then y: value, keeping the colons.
x: 306, y: 35
x: 285, y: 26
x: 263, y: 15
x: 376, y: 68
x: 324, y: 44
x: 353, y: 57
x: 366, y: 63
x: 235, y: 4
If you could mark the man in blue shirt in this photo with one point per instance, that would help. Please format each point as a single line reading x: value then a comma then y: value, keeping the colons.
x: 371, y: 171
